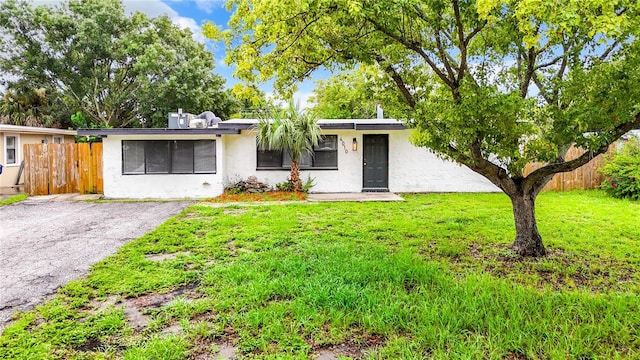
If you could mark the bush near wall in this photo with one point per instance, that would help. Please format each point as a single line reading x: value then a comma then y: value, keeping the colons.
x: 622, y: 171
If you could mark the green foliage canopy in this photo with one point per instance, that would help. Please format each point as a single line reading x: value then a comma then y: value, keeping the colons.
x: 519, y: 81
x: 356, y: 95
x: 117, y: 70
x: 491, y: 84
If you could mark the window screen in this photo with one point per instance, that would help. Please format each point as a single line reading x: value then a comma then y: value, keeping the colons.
x: 168, y: 156
x: 204, y: 154
x: 325, y: 156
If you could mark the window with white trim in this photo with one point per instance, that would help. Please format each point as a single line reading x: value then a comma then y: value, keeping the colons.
x: 58, y: 139
x: 325, y: 156
x: 11, y: 149
x: 168, y: 157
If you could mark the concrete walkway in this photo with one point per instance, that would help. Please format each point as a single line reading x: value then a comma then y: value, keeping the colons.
x: 364, y: 196
x: 63, y: 197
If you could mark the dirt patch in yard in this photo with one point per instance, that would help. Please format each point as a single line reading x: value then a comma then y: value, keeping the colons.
x: 160, y: 257
x: 559, y: 269
x: 234, y: 212
x: 135, y: 308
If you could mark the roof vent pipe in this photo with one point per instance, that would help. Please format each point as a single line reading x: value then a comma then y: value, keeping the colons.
x: 379, y: 112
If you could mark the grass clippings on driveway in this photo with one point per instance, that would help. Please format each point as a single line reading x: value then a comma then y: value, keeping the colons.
x: 431, y: 277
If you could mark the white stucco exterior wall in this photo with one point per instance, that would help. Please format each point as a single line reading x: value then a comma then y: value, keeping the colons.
x: 411, y: 169
x: 158, y: 186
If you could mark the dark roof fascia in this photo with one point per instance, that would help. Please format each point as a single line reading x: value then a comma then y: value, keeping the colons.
x: 327, y: 126
x: 236, y: 126
x: 155, y: 131
x: 337, y: 126
x: 380, y: 126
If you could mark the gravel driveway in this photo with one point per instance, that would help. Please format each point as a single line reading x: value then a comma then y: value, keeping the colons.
x: 45, y: 244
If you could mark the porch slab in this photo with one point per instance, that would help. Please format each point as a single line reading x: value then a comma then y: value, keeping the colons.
x: 364, y: 196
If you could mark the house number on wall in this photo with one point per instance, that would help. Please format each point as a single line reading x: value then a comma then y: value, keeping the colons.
x: 344, y: 146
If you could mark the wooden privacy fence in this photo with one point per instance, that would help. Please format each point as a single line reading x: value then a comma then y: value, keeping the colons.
x: 583, y: 178
x: 63, y: 168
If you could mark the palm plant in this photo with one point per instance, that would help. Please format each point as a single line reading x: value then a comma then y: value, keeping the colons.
x: 292, y: 131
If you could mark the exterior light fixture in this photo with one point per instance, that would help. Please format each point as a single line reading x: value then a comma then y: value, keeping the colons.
x: 354, y: 145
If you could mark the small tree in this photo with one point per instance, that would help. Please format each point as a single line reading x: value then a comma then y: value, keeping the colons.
x: 291, y: 131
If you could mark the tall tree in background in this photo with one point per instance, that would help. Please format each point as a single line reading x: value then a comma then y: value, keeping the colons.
x: 116, y: 70
x: 27, y: 107
x: 491, y: 84
x: 355, y: 95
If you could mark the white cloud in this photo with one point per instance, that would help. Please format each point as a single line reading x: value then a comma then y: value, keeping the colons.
x: 299, y: 98
x: 208, y: 5
x: 302, y: 98
x: 221, y: 63
x: 153, y: 8
x: 189, y: 23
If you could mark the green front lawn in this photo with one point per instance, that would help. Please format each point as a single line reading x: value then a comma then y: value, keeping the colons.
x: 431, y: 277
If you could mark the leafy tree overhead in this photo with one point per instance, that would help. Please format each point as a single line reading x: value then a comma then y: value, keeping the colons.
x: 117, y: 70
x: 355, y: 94
x: 491, y: 84
x: 292, y: 131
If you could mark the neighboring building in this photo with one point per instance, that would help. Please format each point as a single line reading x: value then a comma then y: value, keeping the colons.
x: 14, y: 137
x: 355, y: 156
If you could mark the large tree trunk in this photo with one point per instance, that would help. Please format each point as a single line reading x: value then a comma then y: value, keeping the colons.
x: 295, y: 175
x: 528, y: 240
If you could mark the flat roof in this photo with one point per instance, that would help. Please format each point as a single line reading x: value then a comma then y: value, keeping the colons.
x: 235, y: 126
x: 338, y: 124
x: 155, y: 131
x: 35, y: 130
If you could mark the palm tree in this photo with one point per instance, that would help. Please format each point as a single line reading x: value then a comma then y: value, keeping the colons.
x: 292, y: 131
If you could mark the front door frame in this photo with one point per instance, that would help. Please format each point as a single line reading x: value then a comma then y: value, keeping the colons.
x: 385, y: 185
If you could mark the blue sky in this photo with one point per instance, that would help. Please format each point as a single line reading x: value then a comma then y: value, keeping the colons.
x: 192, y: 14
x: 202, y: 11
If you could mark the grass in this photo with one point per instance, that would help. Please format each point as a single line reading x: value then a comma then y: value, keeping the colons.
x: 13, y: 199
x: 431, y: 277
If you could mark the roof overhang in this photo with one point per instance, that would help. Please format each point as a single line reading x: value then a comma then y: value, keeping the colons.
x: 235, y: 126
x: 156, y: 131
x: 343, y: 124
x: 35, y: 130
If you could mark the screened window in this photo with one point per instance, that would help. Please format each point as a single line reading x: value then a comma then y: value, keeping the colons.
x: 325, y: 156
x: 168, y: 156
x: 11, y: 146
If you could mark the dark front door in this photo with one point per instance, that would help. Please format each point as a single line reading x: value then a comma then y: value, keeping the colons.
x: 375, y: 163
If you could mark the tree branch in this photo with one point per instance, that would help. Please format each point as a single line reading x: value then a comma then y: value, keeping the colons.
x: 531, y: 58
x: 298, y: 35
x: 543, y: 90
x: 609, y: 50
x: 461, y: 39
x: 444, y: 55
x: 399, y: 82
x: 413, y: 46
x: 549, y: 63
x: 497, y: 175
x: 537, y: 177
